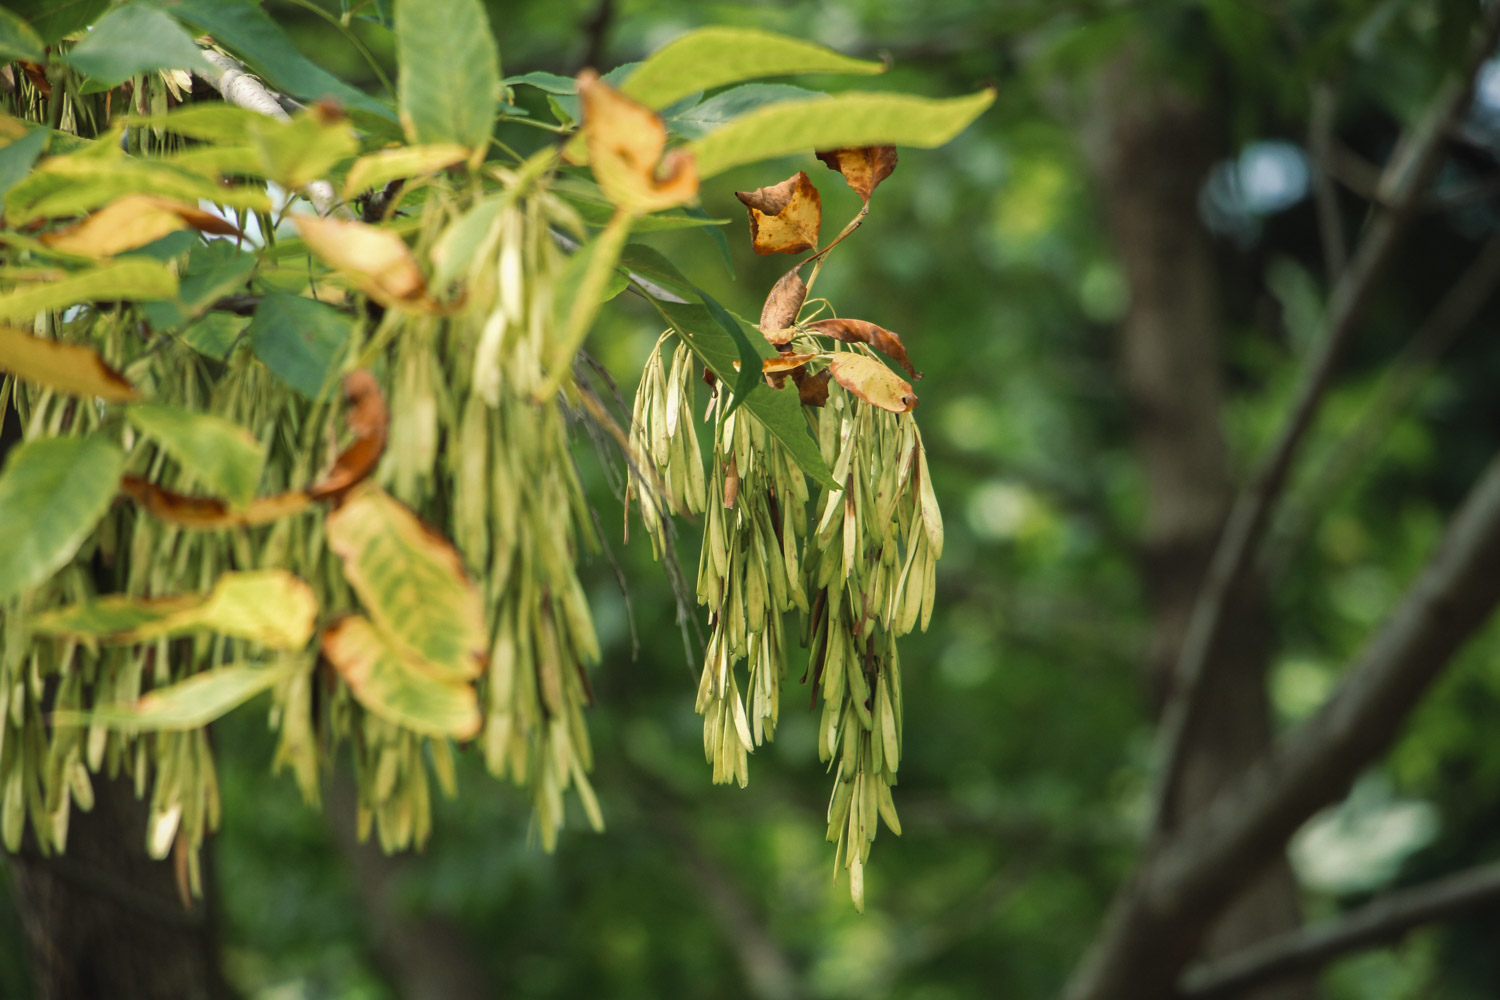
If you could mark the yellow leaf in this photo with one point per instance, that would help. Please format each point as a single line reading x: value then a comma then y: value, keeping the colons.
x: 376, y: 259
x: 385, y: 681
x: 378, y: 169
x: 863, y: 167
x: 786, y: 217
x: 872, y: 382
x: 133, y: 221
x: 626, y: 141
x: 71, y: 368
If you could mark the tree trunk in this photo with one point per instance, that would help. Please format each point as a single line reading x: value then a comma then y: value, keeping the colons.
x: 105, y: 920
x: 1151, y: 150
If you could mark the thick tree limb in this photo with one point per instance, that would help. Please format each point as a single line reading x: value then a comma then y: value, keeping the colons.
x: 1158, y: 920
x: 1310, y: 948
x: 1402, y: 185
x: 235, y: 84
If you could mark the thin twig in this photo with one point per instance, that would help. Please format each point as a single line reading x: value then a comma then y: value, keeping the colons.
x: 1310, y: 948
x: 1325, y: 193
x: 1406, y: 177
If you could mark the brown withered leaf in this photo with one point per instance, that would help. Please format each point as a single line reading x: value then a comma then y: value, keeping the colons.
x: 210, y: 513
x: 369, y: 419
x: 71, y: 368
x: 376, y: 259
x: 782, y: 306
x: 784, y: 362
x: 134, y: 221
x: 812, y: 389
x: 858, y: 331
x: 785, y: 217
x: 625, y: 143
x: 863, y: 167
x: 873, y: 382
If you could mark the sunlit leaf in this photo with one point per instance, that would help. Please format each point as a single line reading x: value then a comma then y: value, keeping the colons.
x: 132, y: 279
x: 863, y: 167
x: 52, y: 493
x: 625, y: 143
x: 298, y: 339
x: 75, y: 369
x: 411, y: 581
x: 189, y: 704
x: 211, y: 121
x: 785, y: 217
x: 383, y: 679
x: 702, y: 118
x: 450, y: 72
x: 131, y: 40
x: 712, y: 57
x: 376, y: 170
x: 858, y: 331
x: 224, y: 456
x: 872, y: 382
x: 843, y: 120
x: 784, y: 362
x: 64, y: 186
x: 133, y: 221
x: 303, y: 150
x: 376, y: 259
x: 271, y: 607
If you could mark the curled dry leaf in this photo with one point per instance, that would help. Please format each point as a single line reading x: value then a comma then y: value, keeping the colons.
x: 210, y: 513
x: 812, y: 389
x: 858, y: 331
x: 626, y: 141
x: 369, y: 419
x: 863, y: 167
x: 133, y: 221
x: 784, y: 362
x: 71, y: 368
x: 376, y: 259
x: 873, y: 382
x: 779, y: 313
x: 786, y: 217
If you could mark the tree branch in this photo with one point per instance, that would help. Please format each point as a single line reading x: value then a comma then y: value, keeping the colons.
x: 1158, y: 920
x: 1406, y: 177
x: 239, y: 88
x: 1310, y: 948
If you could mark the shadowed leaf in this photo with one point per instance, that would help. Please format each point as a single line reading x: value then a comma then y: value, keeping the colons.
x: 298, y: 339
x: 812, y: 390
x: 858, y: 331
x: 385, y: 682
x: 52, y: 493
x: 132, y: 40
x: 786, y: 217
x: 872, y: 382
x: 71, y: 368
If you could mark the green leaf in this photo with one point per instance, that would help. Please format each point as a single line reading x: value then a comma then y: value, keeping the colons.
x: 131, y: 40
x: 247, y: 31
x: 131, y: 278
x: 71, y: 185
x: 223, y: 455
x: 459, y: 245
x: 215, y: 268
x: 596, y: 210
x: 711, y: 57
x: 212, y: 335
x: 189, y: 704
x: 700, y: 119
x: 52, y: 19
x: 780, y: 411
x: 271, y: 607
x: 303, y: 150
x: 211, y: 121
x: 299, y: 339
x: 580, y: 289
x: 549, y: 83
x: 854, y: 119
x: 411, y: 581
x: 748, y: 379
x: 385, y: 682
x: 450, y: 72
x: 374, y: 171
x: 646, y: 262
x: 52, y: 493
x: 18, y: 157
x: 19, y: 40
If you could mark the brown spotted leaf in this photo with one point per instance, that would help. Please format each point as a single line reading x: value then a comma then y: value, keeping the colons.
x: 858, y: 331
x: 626, y: 141
x: 71, y: 368
x: 369, y: 419
x: 210, y: 513
x: 786, y: 217
x: 863, y: 167
x: 872, y: 382
x: 780, y: 311
x: 384, y: 678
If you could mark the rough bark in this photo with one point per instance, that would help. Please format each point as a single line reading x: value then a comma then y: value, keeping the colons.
x: 105, y: 920
x: 1151, y: 148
